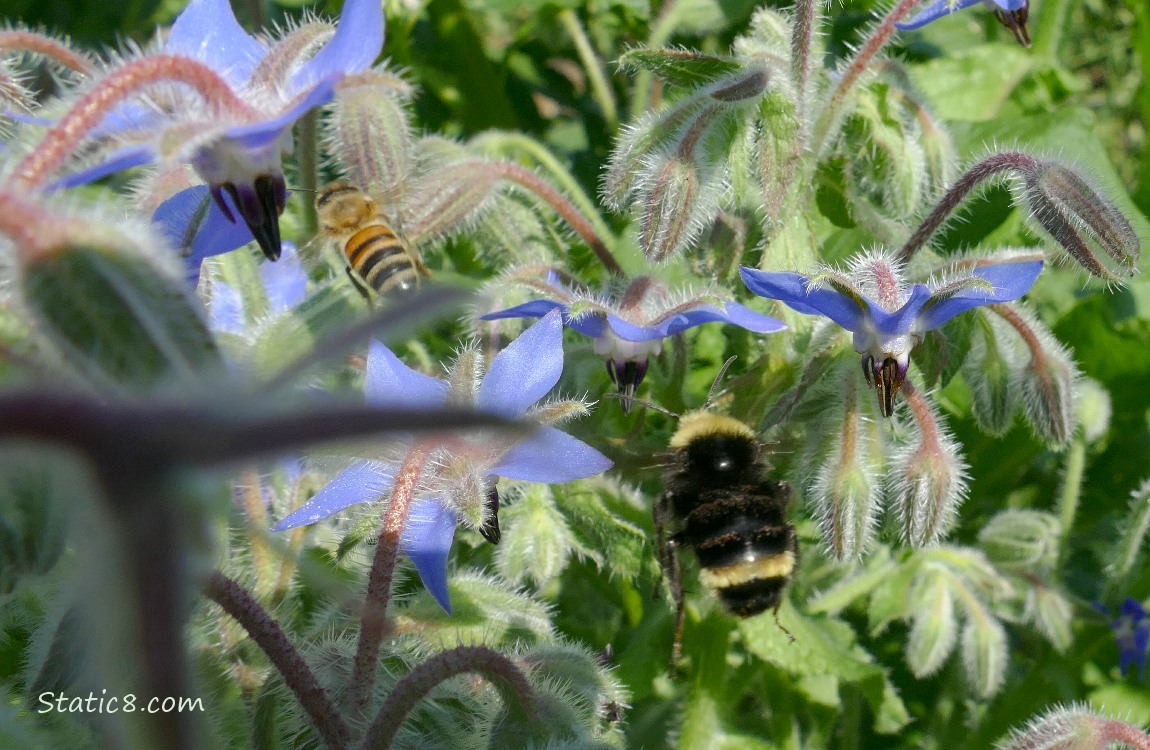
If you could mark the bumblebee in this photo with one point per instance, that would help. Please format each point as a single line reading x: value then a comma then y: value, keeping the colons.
x: 723, y: 506
x: 379, y: 258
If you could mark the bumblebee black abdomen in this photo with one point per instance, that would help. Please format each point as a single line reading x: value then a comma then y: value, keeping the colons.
x: 382, y: 260
x: 746, y: 546
x: 729, y: 513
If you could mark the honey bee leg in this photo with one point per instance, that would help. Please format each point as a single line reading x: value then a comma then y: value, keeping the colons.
x: 359, y: 286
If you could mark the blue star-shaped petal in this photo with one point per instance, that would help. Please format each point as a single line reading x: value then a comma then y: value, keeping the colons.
x: 237, y: 153
x: 1013, y: 14
x: 886, y: 317
x: 519, y: 376
x: 628, y: 331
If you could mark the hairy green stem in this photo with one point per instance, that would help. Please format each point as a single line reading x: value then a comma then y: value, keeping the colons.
x: 991, y: 166
x: 1049, y: 28
x: 513, y: 144
x: 802, y: 34
x: 1071, y: 488
x: 267, y: 634
x: 373, y: 622
x: 566, y: 209
x: 22, y: 40
x: 832, y: 110
x: 307, y: 173
x: 422, y: 679
x: 596, y: 77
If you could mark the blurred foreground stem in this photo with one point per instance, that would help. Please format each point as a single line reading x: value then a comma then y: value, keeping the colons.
x: 374, y: 619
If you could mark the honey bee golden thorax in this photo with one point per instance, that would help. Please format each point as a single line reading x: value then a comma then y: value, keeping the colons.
x: 344, y: 208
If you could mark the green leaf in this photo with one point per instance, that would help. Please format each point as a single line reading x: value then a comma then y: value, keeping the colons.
x: 889, y: 601
x: 822, y: 645
x: 972, y: 84
x: 593, y: 509
x: 825, y: 646
x: 679, y: 67
x: 891, y: 715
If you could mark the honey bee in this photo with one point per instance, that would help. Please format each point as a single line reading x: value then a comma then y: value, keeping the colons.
x: 379, y: 258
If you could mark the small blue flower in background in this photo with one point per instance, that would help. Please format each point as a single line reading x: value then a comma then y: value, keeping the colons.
x: 460, y: 477
x: 285, y: 284
x: 887, y: 316
x: 1132, y: 631
x: 238, y: 153
x: 628, y: 331
x: 1013, y: 14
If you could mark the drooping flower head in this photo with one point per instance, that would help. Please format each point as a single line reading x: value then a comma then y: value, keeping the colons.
x: 236, y: 127
x: 887, y: 315
x: 629, y: 329
x: 1013, y: 14
x: 460, y: 479
x: 1132, y: 631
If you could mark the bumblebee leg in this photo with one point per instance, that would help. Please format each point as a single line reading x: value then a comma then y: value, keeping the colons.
x: 779, y: 625
x: 669, y: 564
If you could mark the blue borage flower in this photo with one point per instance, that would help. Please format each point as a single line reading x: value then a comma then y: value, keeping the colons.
x: 887, y: 316
x: 462, y: 472
x: 628, y: 331
x: 196, y: 227
x: 1132, y: 632
x: 239, y: 153
x: 284, y: 283
x: 1013, y: 14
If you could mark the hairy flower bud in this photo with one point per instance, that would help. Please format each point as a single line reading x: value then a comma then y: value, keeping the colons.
x: 1075, y: 213
x: 1051, y: 613
x: 992, y: 369
x: 927, y: 477
x: 885, y: 171
x: 117, y: 318
x: 1074, y: 727
x: 536, y: 539
x: 514, y: 230
x: 35, y: 499
x: 1048, y: 379
x: 845, y: 488
x: 984, y: 652
x: 1135, y: 528
x: 450, y: 197
x: 675, y: 204
x: 778, y: 159
x: 1092, y: 405
x: 745, y: 85
x: 934, y: 627
x: 1022, y: 540
x: 370, y: 133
